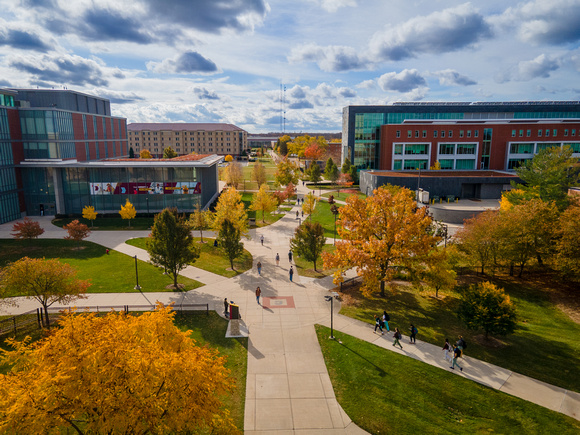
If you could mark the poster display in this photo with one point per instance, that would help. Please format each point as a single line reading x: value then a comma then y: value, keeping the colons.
x: 154, y: 188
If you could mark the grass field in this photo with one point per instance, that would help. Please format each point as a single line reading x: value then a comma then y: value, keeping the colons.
x: 324, y: 216
x: 387, y: 393
x: 306, y: 268
x: 211, y: 258
x: 545, y: 345
x: 109, y: 223
x: 269, y: 218
x: 112, y: 273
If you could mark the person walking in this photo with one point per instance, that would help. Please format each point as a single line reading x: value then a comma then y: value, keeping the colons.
x: 460, y: 343
x: 291, y: 273
x: 456, y: 354
x: 259, y: 266
x: 378, y: 324
x: 258, y: 293
x: 297, y: 214
x: 397, y: 336
x: 277, y: 259
x: 262, y: 239
x: 412, y: 337
x: 290, y: 256
x: 448, y: 350
x: 226, y: 307
x: 386, y: 319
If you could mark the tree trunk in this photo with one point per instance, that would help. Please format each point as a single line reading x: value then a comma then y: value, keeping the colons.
x: 315, y: 265
x: 201, y: 235
x: 232, y: 263
x: 539, y: 258
x: 383, y: 289
x: 521, y: 270
x: 175, y: 279
x: 46, y: 318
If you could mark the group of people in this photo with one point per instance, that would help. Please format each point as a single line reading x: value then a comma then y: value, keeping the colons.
x: 454, y: 352
x: 259, y: 268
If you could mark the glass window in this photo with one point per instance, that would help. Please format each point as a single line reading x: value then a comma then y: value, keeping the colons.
x: 468, y: 133
x: 416, y: 149
x: 442, y: 133
x: 434, y: 133
x: 565, y: 132
x: 555, y: 133
x: 424, y: 133
x: 573, y: 132
x: 539, y: 133
x: 460, y: 133
x: 450, y: 133
x: 547, y: 132
x: 415, y: 164
x: 528, y: 133
x: 545, y: 146
x: 521, y: 133
x: 513, y: 133
x: 397, y: 165
x: 409, y: 133
x: 476, y: 133
x: 398, y: 149
x: 398, y: 133
x: 575, y: 146
x: 465, y: 164
x: 446, y: 163
x: 416, y: 133
x: 522, y: 148
x: 447, y: 148
x: 465, y: 148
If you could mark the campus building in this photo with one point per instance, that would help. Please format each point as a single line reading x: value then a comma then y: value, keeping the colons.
x: 186, y: 138
x: 62, y: 150
x: 460, y: 136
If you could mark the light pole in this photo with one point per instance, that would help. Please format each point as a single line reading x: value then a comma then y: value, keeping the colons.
x: 137, y: 287
x: 331, y: 299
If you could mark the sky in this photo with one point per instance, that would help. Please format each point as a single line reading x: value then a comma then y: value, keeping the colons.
x: 247, y: 62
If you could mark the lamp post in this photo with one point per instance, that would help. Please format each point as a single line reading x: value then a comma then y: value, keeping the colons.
x: 331, y: 299
x: 137, y: 287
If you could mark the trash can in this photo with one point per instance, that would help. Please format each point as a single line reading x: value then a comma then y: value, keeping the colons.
x: 234, y: 312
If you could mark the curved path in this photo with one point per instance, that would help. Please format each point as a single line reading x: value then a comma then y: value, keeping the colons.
x: 288, y: 389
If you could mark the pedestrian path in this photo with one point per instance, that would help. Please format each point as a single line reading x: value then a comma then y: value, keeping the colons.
x: 288, y: 389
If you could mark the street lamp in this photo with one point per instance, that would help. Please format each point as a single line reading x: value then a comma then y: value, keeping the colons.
x: 331, y: 299
x: 137, y: 287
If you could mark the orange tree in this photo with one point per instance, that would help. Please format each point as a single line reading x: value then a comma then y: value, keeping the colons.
x: 381, y: 234
x: 47, y: 281
x: 118, y: 374
x: 27, y: 229
x: 77, y: 231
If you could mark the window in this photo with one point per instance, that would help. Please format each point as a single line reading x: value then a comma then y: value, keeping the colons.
x: 466, y: 148
x: 460, y: 133
x: 513, y: 133
x: 468, y: 133
x: 547, y: 132
x: 434, y: 133
x: 424, y: 133
x: 446, y: 163
x: 416, y: 149
x: 398, y: 149
x: 528, y: 133
x: 465, y: 164
x: 409, y: 133
x: 521, y: 133
x: 398, y: 133
x: 416, y: 133
x: 522, y: 148
x: 397, y: 165
x: 447, y: 148
x: 450, y: 133
x: 565, y: 132
x: 554, y: 132
x: 476, y: 133
x: 442, y: 133
x: 539, y: 133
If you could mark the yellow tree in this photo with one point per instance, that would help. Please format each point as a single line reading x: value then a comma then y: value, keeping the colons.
x: 89, y: 213
x: 263, y: 201
x: 381, y: 235
x: 128, y: 212
x: 46, y: 281
x: 117, y: 373
x: 233, y: 174
x: 228, y: 158
x: 259, y: 174
x: 568, y: 246
x: 200, y: 220
x: 145, y: 154
x: 286, y: 173
x: 309, y: 204
x: 230, y: 207
x: 438, y: 273
x: 479, y: 238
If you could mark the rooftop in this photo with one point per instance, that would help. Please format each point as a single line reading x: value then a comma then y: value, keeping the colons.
x: 181, y: 126
x: 444, y: 173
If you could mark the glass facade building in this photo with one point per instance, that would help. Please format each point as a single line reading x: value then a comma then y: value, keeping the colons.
x: 9, y: 203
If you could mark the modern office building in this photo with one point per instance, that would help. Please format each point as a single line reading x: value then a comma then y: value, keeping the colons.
x: 460, y: 136
x: 186, y: 138
x: 61, y: 150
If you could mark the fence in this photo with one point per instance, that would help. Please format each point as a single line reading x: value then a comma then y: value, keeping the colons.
x: 35, y: 319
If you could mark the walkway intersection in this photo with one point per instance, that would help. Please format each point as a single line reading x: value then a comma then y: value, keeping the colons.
x: 288, y: 388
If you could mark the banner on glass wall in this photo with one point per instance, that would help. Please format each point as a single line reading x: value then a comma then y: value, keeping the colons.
x: 174, y: 188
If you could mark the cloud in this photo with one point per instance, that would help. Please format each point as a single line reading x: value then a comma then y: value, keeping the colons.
x: 118, y: 97
x: 367, y: 84
x: 185, y: 63
x: 333, y: 58
x: 347, y: 92
x: 334, y: 5
x: 440, y: 32
x: 204, y: 94
x: 405, y: 81
x: 109, y: 25
x: 23, y: 40
x: 61, y: 69
x: 297, y: 92
x: 301, y: 104
x: 546, y: 22
x: 527, y: 70
x: 449, y: 77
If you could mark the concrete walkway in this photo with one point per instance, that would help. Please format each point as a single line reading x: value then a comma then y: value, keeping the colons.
x: 288, y: 389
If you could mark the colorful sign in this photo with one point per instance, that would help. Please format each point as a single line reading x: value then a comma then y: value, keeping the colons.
x: 174, y: 188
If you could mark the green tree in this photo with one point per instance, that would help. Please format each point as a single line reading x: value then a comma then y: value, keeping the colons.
x: 485, y: 306
x: 263, y: 201
x: 170, y: 244
x: 549, y: 175
x: 229, y: 239
x: 168, y: 153
x: 345, y: 169
x: 353, y: 174
x: 46, y: 281
x: 308, y: 241
x: 331, y: 171
x: 286, y: 172
x: 200, y: 220
x: 131, y: 153
x: 314, y: 173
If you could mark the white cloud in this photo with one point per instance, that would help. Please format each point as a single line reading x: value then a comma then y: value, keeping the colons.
x: 331, y: 59
x: 405, y: 81
x: 335, y: 5
x: 449, y: 77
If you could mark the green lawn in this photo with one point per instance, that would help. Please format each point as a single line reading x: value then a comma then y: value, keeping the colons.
x: 306, y: 268
x: 211, y: 330
x: 384, y: 392
x: 211, y: 258
x: 113, y: 273
x: 324, y: 216
x: 269, y: 219
x: 109, y: 223
x: 545, y: 345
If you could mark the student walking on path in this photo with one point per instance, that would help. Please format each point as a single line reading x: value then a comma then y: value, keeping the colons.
x: 386, y: 319
x: 413, y: 336
x: 258, y: 293
x: 262, y: 239
x: 397, y: 336
x: 456, y: 354
x: 378, y: 324
x: 291, y: 273
x: 290, y: 256
x: 259, y: 266
x: 461, y: 345
x: 277, y: 259
x: 448, y: 350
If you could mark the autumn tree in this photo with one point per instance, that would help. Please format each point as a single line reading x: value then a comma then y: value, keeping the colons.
x: 263, y: 201
x: 233, y: 174
x: 280, y: 196
x: 314, y: 151
x: 259, y: 174
x: 438, y: 272
x: 548, y: 176
x: 309, y: 205
x: 117, y: 373
x: 46, y: 281
x: 290, y: 190
x: 128, y: 211
x: 229, y: 239
x: 169, y: 153
x: 77, y: 231
x: 381, y: 235
x: 200, y: 220
x: 170, y: 244
x: 228, y: 158
x: 568, y: 244
x: 27, y: 229
x: 231, y: 207
x: 308, y: 241
x: 145, y: 154
x: 89, y: 213
x: 331, y: 171
x: 299, y: 144
x: 286, y: 172
x: 485, y: 306
x: 344, y: 181
x: 283, y: 145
